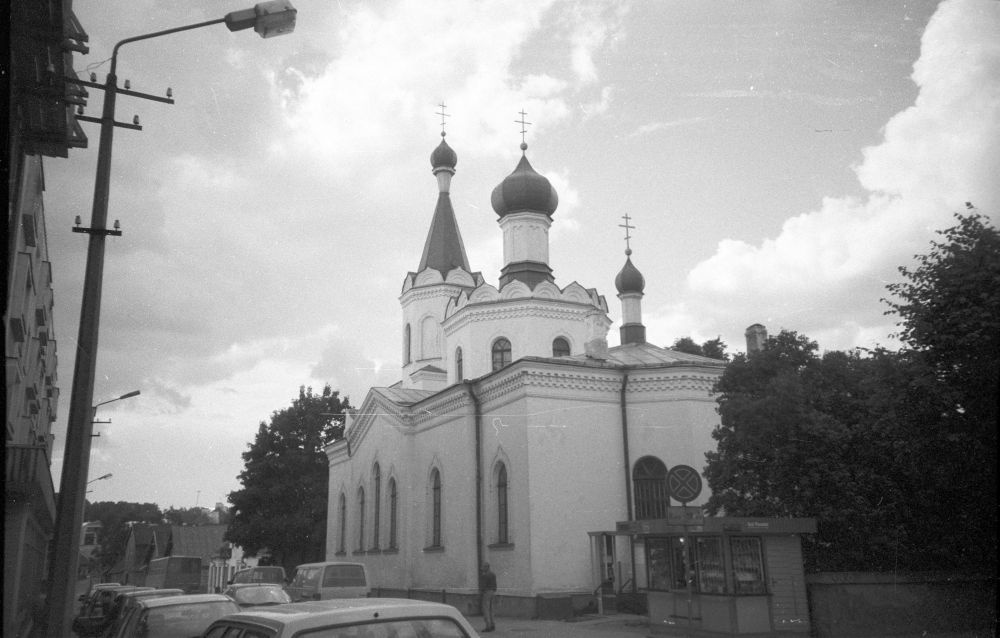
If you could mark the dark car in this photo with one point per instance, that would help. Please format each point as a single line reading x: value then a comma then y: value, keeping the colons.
x: 127, y: 600
x: 175, y: 616
x: 257, y: 594
x: 95, y: 616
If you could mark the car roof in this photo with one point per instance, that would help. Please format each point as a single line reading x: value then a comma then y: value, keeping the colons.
x: 148, y: 591
x: 167, y: 601
x: 117, y: 589
x: 329, y: 562
x: 319, y: 613
x: 246, y: 585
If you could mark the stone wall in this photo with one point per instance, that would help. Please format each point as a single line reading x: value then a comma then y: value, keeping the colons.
x: 882, y: 605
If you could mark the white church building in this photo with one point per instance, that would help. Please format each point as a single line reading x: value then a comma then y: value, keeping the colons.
x: 516, y: 436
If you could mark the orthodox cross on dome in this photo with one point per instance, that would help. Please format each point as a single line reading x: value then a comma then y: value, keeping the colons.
x: 524, y: 145
x: 628, y: 236
x: 443, y: 115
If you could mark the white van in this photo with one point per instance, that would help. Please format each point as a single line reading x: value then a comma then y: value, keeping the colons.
x: 323, y: 581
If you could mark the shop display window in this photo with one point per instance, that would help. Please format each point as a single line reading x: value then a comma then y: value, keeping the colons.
x: 714, y: 567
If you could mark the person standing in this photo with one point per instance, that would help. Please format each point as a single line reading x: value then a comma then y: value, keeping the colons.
x: 488, y: 588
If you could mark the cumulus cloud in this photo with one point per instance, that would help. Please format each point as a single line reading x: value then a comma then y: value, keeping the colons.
x: 934, y: 156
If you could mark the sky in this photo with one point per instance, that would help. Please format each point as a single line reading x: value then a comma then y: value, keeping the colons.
x: 779, y: 159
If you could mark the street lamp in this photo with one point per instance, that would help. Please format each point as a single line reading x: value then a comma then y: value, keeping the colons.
x: 100, y: 478
x: 268, y: 19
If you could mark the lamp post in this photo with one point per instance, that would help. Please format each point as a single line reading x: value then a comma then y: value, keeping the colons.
x: 100, y: 478
x: 268, y: 19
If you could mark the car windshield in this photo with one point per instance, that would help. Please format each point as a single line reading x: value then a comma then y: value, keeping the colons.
x: 248, y: 596
x: 183, y: 621
x: 403, y: 628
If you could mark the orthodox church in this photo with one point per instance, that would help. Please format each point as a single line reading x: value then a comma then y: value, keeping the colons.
x: 516, y: 436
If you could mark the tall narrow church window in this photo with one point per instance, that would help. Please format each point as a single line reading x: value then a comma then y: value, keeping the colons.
x: 436, y: 511
x: 459, y: 371
x: 377, y: 503
x: 649, y: 481
x: 361, y: 519
x: 560, y: 347
x: 503, y: 532
x: 392, y: 513
x: 342, y: 541
x: 501, y: 353
x: 406, y: 344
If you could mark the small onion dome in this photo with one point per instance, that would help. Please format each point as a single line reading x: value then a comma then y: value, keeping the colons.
x: 629, y: 279
x: 443, y: 156
x: 524, y: 189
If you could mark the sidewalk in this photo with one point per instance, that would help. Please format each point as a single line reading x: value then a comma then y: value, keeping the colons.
x: 617, y: 626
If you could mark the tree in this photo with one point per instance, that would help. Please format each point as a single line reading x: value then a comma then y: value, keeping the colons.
x: 894, y: 453
x: 949, y: 311
x: 282, y: 505
x: 809, y: 435
x: 713, y: 348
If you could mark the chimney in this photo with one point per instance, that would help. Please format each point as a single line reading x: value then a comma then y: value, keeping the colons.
x: 756, y: 338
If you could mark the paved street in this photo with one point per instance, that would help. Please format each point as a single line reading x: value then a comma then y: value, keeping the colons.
x: 618, y: 626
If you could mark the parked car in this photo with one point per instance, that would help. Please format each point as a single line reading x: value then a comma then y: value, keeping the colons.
x: 95, y: 614
x: 83, y: 598
x: 372, y: 617
x: 323, y: 581
x: 175, y: 616
x: 127, y: 600
x: 266, y: 574
x: 257, y: 594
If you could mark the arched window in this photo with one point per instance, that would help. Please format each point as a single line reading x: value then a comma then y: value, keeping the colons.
x: 649, y: 481
x: 501, y: 353
x: 459, y: 370
x: 393, y: 498
x: 436, y: 511
x: 342, y: 541
x: 406, y: 344
x: 377, y: 502
x: 361, y: 519
x: 560, y: 347
x: 503, y: 520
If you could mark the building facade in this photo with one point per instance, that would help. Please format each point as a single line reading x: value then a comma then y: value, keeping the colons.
x: 516, y: 435
x: 43, y: 36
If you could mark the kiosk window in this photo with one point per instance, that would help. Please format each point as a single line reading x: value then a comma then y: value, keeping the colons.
x: 748, y: 567
x: 665, y: 560
x: 711, y: 576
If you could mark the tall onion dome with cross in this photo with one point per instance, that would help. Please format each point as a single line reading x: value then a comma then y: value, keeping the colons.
x: 630, y: 284
x: 525, y: 201
x: 443, y: 272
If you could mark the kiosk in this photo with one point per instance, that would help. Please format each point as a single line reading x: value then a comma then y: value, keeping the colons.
x: 722, y: 576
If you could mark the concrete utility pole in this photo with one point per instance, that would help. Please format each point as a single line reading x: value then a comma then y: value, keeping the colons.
x: 268, y: 19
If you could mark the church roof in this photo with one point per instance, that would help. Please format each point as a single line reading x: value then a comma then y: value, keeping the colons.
x: 443, y: 156
x: 444, y: 250
x: 524, y: 190
x: 629, y: 279
x: 404, y: 396
x: 642, y: 354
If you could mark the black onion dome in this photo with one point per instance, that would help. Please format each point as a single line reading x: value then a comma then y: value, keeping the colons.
x: 629, y: 279
x: 524, y: 189
x: 443, y: 156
